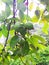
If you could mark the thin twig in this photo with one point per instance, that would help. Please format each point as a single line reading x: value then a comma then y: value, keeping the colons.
x: 14, y: 11
x: 14, y: 8
x: 7, y: 37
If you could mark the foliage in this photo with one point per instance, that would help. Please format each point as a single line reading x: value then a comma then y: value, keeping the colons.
x: 20, y: 44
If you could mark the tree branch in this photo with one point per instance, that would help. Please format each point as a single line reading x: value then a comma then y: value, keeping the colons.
x: 7, y: 37
x: 14, y: 11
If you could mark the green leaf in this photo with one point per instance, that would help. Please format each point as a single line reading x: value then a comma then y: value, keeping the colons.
x: 40, y: 38
x: 42, y: 47
x: 21, y: 6
x: 34, y: 19
x: 34, y: 41
x: 26, y: 18
x: 45, y: 28
x: 14, y: 41
x: 25, y: 48
x: 12, y: 32
x: 29, y: 25
x: 32, y: 49
x: 4, y: 31
x: 1, y: 47
x: 19, y: 27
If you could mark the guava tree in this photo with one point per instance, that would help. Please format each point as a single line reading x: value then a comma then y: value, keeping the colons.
x: 20, y: 43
